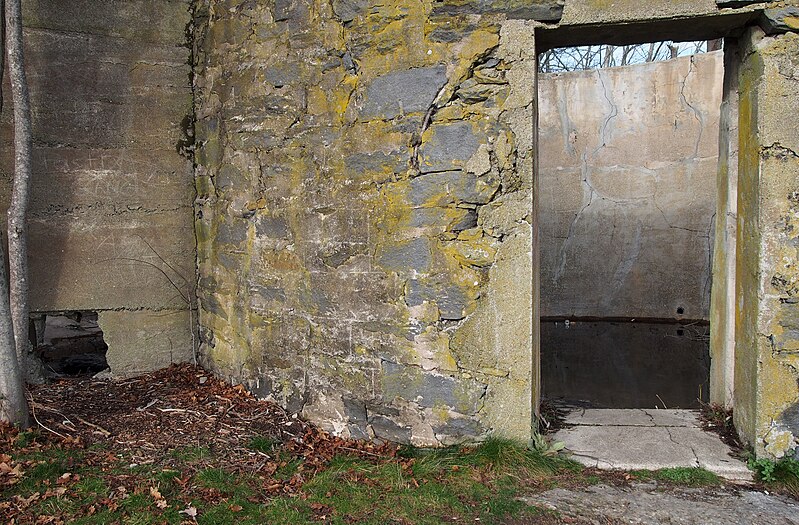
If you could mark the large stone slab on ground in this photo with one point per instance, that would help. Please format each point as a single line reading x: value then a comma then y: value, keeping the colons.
x: 647, y: 440
x: 647, y: 504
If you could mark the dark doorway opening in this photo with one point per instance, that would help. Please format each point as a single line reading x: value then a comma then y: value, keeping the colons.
x: 70, y: 343
x: 628, y: 159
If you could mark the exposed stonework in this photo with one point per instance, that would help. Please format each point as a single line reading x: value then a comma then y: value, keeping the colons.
x: 767, y: 342
x: 111, y: 204
x: 364, y: 173
x: 366, y: 214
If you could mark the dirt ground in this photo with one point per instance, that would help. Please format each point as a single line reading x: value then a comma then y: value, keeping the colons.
x: 180, y: 439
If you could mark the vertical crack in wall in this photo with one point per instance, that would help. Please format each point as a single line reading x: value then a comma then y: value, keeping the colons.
x: 698, y: 115
x: 614, y: 111
x: 564, y: 249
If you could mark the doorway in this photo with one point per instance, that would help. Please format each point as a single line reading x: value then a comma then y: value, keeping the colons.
x: 628, y: 161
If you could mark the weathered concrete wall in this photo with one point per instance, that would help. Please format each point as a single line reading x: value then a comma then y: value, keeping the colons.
x: 111, y: 208
x: 722, y: 300
x: 767, y: 314
x: 364, y: 223
x: 628, y: 161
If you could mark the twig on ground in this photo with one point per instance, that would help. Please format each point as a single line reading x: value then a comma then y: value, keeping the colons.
x: 100, y: 429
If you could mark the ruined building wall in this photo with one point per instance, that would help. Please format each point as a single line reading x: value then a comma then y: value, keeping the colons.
x: 767, y: 301
x: 111, y: 206
x: 364, y: 176
x: 628, y: 160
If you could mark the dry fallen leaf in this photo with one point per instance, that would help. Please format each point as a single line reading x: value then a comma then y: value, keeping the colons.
x: 189, y: 511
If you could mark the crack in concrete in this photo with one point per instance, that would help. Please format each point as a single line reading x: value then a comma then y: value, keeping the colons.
x: 566, y: 243
x: 697, y: 114
x: 650, y: 416
x: 693, y: 451
x: 613, y: 113
x: 778, y: 150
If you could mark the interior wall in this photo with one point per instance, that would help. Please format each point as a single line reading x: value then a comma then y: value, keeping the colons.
x: 628, y: 186
x: 628, y: 180
x: 110, y: 220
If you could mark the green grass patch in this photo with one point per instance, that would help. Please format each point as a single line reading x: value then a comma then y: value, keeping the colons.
x: 191, y: 454
x: 782, y: 474
x: 687, y: 476
x: 264, y: 444
x: 467, y: 484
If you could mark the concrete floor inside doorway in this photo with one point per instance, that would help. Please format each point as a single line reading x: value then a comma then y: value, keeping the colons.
x: 647, y: 439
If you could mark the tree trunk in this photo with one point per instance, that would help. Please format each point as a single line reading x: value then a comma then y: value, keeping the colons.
x: 17, y: 213
x: 13, y: 407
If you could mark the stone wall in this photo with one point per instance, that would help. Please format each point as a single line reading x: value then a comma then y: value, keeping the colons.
x: 111, y: 225
x: 628, y: 160
x: 364, y: 174
x: 767, y: 299
x: 366, y: 207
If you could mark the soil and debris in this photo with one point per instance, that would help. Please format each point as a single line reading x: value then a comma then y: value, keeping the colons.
x: 180, y: 446
x: 155, y: 421
x: 181, y: 406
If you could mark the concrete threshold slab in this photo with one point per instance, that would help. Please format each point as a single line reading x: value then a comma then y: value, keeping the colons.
x: 633, y: 439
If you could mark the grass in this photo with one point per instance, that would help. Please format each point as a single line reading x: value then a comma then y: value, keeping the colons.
x: 781, y: 475
x: 418, y: 486
x: 690, y: 477
x: 480, y: 484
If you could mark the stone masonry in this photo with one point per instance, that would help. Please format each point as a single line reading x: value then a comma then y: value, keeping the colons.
x: 364, y: 198
x: 367, y: 215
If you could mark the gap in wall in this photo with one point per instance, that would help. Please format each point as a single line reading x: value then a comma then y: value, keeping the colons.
x: 70, y: 343
x: 627, y: 185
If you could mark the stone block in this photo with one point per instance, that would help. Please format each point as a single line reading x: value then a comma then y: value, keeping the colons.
x: 457, y: 430
x: 400, y: 92
x: 272, y: 227
x: 389, y: 430
x: 541, y: 10
x: 145, y: 340
x: 782, y: 20
x: 415, y: 254
x: 347, y: 10
x: 441, y: 220
x: 449, y: 187
x: 448, y: 147
x: 232, y: 233
x: 431, y: 390
x: 452, y: 301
